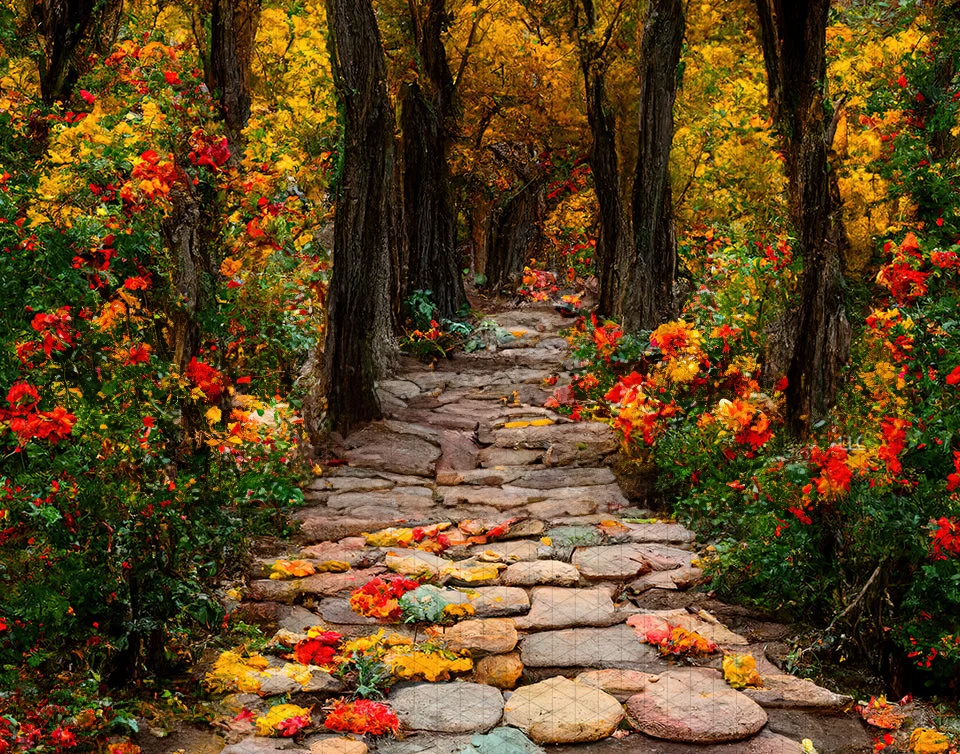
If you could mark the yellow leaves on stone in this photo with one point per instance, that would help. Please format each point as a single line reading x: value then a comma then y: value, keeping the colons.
x: 296, y: 569
x: 461, y: 610
x: 471, y: 573
x: 429, y: 666
x: 740, y: 671
x: 528, y: 423
x: 929, y: 741
x: 271, y: 723
x: 233, y: 672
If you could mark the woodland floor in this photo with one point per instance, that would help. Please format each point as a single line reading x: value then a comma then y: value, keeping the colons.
x: 468, y: 440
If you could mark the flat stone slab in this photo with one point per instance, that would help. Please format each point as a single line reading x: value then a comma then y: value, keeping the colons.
x: 554, y: 478
x: 559, y: 710
x: 660, y: 532
x: 704, y: 624
x: 325, y: 526
x: 610, y: 562
x: 619, y: 683
x: 694, y: 705
x: 664, y: 557
x: 493, y: 457
x: 578, y: 444
x: 350, y: 484
x: 482, y: 636
x: 613, y: 647
x: 535, y: 572
x: 458, y: 707
x: 399, y: 498
x: 556, y: 607
x: 331, y: 584
x: 394, y: 446
x: 508, y: 550
x: 498, y: 601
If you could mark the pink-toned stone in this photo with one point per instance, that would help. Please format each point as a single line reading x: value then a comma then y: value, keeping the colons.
x: 694, y: 705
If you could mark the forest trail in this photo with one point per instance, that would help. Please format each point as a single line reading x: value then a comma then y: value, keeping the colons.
x: 468, y: 442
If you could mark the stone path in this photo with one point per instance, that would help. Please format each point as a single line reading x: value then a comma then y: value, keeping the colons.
x: 555, y: 660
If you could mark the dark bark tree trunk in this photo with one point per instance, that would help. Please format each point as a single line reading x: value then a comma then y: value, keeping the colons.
x: 233, y: 25
x: 427, y: 126
x: 612, y: 230
x: 649, y: 299
x: 71, y: 30
x: 793, y: 34
x: 358, y: 343
x: 514, y: 234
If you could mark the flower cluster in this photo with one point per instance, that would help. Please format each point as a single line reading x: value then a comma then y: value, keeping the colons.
x: 380, y: 597
x: 362, y: 717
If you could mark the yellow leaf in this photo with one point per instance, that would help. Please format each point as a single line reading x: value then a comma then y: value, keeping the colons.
x: 928, y: 741
x: 541, y: 422
x: 516, y: 424
x: 267, y: 724
x: 213, y: 415
x: 333, y: 566
x: 740, y: 671
x: 283, y: 569
x: 432, y: 666
x: 470, y: 574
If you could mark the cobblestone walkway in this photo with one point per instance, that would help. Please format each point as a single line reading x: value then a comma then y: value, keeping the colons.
x: 579, y: 575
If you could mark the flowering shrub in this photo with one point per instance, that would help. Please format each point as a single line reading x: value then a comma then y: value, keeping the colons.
x: 142, y: 435
x: 870, y: 503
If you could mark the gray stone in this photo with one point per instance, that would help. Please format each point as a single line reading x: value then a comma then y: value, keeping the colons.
x: 552, y: 509
x: 694, y: 705
x: 330, y: 584
x: 556, y: 607
x: 614, y: 647
x: 493, y: 457
x: 578, y: 444
x: 554, y: 478
x: 458, y: 451
x: 574, y: 536
x: 459, y: 707
x: 394, y: 446
x: 323, y: 526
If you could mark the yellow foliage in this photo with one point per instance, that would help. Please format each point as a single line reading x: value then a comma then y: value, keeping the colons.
x: 232, y: 672
x: 929, y: 741
x: 472, y: 573
x: 267, y: 724
x: 430, y: 666
x: 284, y: 569
x: 740, y: 671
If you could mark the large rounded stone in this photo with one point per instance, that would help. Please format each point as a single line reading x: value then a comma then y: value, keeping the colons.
x: 559, y: 710
x: 619, y: 683
x: 502, y: 671
x: 694, y: 705
x: 457, y: 707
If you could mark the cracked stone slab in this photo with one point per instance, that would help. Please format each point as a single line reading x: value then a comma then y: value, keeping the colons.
x: 613, y: 647
x: 458, y: 707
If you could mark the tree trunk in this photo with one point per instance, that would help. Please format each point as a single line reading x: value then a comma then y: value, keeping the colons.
x: 514, y: 234
x: 71, y: 30
x: 233, y: 32
x: 793, y: 34
x: 427, y: 122
x: 358, y: 345
x: 604, y: 163
x: 649, y: 298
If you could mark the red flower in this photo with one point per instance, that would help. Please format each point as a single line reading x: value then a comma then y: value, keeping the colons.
x: 894, y: 440
x: 317, y: 650
x: 954, y: 377
x: 138, y: 283
x: 87, y: 97
x: 172, y: 78
x: 292, y: 725
x: 207, y: 379
x: 946, y: 538
x: 23, y: 398
x: 59, y: 423
x: 362, y: 717
x: 138, y: 355
x: 64, y: 737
